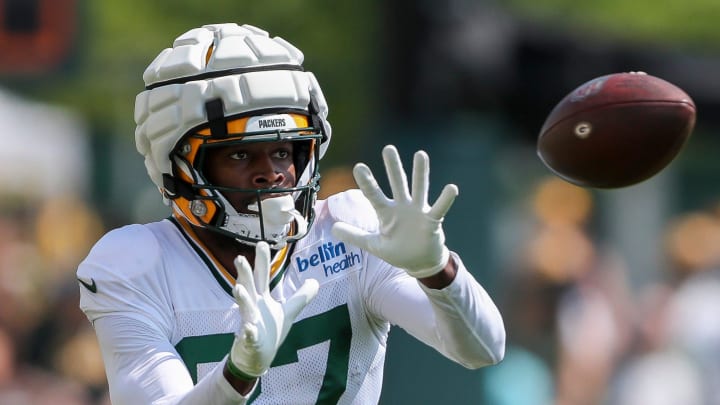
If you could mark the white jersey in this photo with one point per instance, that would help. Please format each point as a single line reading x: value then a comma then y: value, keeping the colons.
x: 159, y: 299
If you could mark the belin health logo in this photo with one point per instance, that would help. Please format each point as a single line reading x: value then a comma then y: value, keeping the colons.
x: 332, y: 257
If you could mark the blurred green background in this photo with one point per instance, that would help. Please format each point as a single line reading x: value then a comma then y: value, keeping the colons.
x: 608, y: 296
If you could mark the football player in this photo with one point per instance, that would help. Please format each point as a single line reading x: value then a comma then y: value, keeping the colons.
x: 253, y: 290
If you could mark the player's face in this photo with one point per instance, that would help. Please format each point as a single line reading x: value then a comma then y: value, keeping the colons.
x: 261, y: 165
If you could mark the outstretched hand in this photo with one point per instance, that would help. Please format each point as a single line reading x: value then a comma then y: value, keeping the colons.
x: 410, y: 235
x: 265, y: 321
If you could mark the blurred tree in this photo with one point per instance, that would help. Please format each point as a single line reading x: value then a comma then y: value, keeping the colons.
x: 659, y: 22
x: 117, y: 39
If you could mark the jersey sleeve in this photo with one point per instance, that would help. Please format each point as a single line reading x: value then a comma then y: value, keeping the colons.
x: 460, y: 321
x: 144, y: 368
x: 122, y: 275
x: 468, y: 324
x: 124, y: 295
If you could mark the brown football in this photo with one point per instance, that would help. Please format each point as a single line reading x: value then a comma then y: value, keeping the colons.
x: 616, y: 130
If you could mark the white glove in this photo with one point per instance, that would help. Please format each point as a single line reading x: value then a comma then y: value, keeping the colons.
x: 265, y: 321
x: 410, y: 234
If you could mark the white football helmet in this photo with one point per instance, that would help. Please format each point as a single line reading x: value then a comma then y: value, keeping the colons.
x: 223, y: 84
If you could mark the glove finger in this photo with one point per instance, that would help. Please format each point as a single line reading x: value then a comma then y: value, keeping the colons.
x: 248, y: 308
x: 421, y: 178
x: 396, y: 174
x: 371, y: 242
x: 444, y: 202
x: 262, y: 267
x: 369, y: 186
x: 297, y: 302
x: 350, y: 234
x: 245, y: 276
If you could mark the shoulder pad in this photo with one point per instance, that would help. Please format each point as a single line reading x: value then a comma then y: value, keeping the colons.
x: 123, y: 253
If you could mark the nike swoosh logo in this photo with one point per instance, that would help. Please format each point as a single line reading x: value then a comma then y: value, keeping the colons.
x: 92, y: 287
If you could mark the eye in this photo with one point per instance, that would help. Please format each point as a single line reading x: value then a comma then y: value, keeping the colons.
x: 239, y: 155
x: 282, y: 153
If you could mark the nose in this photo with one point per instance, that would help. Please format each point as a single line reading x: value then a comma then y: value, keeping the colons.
x: 266, y: 174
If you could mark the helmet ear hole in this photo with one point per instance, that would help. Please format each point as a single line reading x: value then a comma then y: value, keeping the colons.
x: 198, y: 208
x: 199, y: 212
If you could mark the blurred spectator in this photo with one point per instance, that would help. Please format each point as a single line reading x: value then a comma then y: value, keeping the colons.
x: 530, y: 377
x: 567, y: 306
x: 676, y: 359
x: 46, y: 228
x: 23, y: 384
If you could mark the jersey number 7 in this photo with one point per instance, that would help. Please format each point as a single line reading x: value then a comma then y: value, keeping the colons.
x: 333, y: 326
